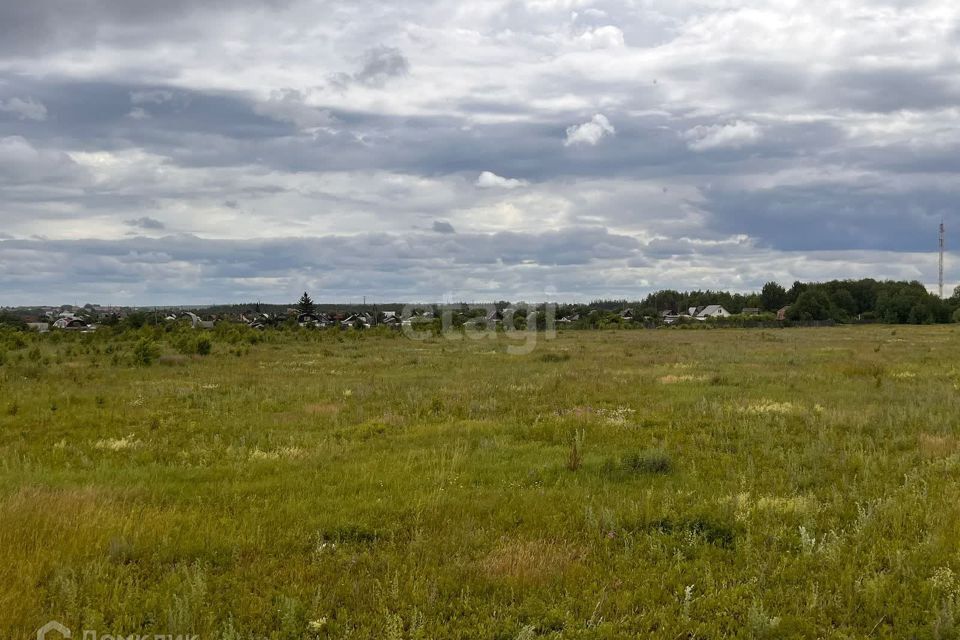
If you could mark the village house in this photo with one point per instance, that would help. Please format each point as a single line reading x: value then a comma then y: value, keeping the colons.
x: 712, y: 311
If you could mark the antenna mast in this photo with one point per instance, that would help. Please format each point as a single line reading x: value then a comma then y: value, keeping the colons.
x: 942, y: 234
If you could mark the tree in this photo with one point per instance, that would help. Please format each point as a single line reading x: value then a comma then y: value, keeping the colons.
x: 305, y: 305
x: 773, y: 297
x: 794, y: 294
x: 843, y: 300
x: 812, y: 304
x: 11, y: 321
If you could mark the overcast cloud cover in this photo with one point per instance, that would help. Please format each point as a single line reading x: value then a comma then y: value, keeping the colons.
x: 230, y: 150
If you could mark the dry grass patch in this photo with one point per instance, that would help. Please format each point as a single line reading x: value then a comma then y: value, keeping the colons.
x: 327, y: 409
x: 934, y: 446
x: 530, y: 561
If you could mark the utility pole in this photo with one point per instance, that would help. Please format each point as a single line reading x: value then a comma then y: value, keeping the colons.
x: 942, y: 244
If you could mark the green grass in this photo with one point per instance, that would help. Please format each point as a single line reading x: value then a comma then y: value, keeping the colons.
x: 728, y: 483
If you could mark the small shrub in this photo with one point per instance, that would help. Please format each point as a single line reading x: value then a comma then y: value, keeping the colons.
x: 653, y: 461
x: 555, y: 357
x: 192, y: 344
x: 204, y: 346
x: 349, y: 534
x: 145, y: 352
x: 717, y: 533
x: 195, y: 345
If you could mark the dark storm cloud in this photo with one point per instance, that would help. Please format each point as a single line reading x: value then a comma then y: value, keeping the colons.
x: 833, y: 217
x: 25, y: 264
x: 43, y: 26
x: 145, y: 222
x: 889, y: 89
x: 102, y: 115
x: 439, y: 226
x: 276, y: 255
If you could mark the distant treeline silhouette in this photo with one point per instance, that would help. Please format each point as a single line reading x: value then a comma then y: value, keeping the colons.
x: 893, y: 302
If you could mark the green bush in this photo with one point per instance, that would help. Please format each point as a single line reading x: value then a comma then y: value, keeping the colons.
x: 192, y: 344
x: 652, y: 461
x: 204, y: 346
x: 145, y: 352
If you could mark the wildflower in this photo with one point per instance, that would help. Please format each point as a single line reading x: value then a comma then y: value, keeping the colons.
x: 769, y: 406
x: 944, y: 579
x: 118, y: 444
x: 319, y: 624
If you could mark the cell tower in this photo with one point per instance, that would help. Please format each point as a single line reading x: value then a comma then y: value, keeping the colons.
x: 942, y: 234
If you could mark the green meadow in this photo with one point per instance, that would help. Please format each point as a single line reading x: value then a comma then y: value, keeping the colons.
x: 711, y: 483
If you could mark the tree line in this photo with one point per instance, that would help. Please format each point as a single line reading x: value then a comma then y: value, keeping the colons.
x: 892, y: 302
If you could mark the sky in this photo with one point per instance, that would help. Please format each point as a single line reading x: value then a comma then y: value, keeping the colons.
x: 182, y: 152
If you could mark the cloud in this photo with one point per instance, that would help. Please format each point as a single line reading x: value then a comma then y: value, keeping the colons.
x: 25, y: 109
x: 440, y: 226
x: 152, y: 96
x: 186, y: 268
x: 377, y: 66
x: 145, y: 222
x: 589, y: 133
x: 291, y: 105
x: 730, y: 136
x: 754, y: 140
x: 606, y: 37
x: 23, y: 163
x: 380, y: 64
x: 490, y: 180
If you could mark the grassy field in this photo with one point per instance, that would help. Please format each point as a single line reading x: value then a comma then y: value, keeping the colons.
x: 664, y: 484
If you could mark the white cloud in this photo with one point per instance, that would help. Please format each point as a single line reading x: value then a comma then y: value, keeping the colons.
x: 25, y: 109
x: 608, y: 37
x: 490, y: 180
x: 589, y: 133
x: 733, y: 136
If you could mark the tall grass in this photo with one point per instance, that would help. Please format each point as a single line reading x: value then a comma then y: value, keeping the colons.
x: 327, y: 484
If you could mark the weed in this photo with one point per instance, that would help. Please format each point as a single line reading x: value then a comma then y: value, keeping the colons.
x: 575, y: 456
x: 650, y: 461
